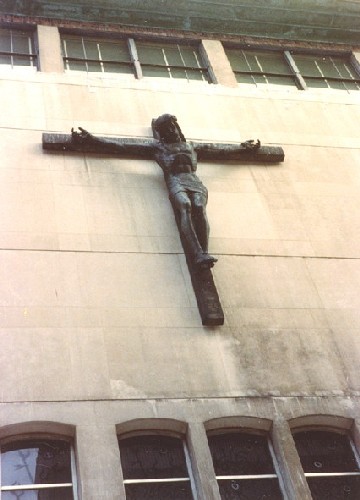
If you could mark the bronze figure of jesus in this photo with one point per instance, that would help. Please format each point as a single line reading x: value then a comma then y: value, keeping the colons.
x: 188, y: 195
x: 178, y: 161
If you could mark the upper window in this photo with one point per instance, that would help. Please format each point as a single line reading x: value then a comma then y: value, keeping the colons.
x: 327, y: 72
x: 330, y: 464
x: 37, y: 468
x: 281, y: 68
x: 171, y: 61
x: 148, y: 59
x: 244, y: 465
x: 260, y: 68
x: 17, y: 49
x: 155, y: 466
x: 96, y: 56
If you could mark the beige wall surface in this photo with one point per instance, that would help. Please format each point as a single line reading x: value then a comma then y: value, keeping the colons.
x: 95, y: 296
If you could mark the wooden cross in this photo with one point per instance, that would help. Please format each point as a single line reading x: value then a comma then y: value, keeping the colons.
x: 188, y: 196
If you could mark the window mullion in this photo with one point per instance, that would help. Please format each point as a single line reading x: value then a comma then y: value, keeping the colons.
x: 11, y: 50
x: 134, y: 58
x: 295, y: 70
x: 85, y: 55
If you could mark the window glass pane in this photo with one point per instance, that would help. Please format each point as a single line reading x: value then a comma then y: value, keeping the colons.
x: 306, y: 65
x: 114, y: 51
x: 117, y: 68
x: 20, y: 43
x: 173, y: 56
x: 76, y: 65
x: 272, y: 62
x: 35, y: 462
x: 329, y: 488
x: 322, y: 451
x: 155, y: 71
x: 22, y: 61
x: 182, y: 55
x: 263, y: 489
x: 316, y: 84
x: 152, y: 457
x: 150, y: 53
x: 91, y: 49
x: 159, y: 491
x: 5, y: 59
x: 43, y: 494
x: 5, y: 41
x: 237, y: 60
x: 238, y: 453
x: 73, y: 48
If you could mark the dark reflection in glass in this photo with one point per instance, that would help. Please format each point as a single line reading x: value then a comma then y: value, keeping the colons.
x: 255, y: 489
x: 322, y: 451
x: 159, y: 491
x: 152, y: 457
x: 335, y: 488
x: 237, y: 453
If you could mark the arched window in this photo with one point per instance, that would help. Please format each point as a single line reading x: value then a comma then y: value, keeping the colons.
x: 244, y: 464
x: 330, y: 464
x: 38, y: 468
x: 155, y: 466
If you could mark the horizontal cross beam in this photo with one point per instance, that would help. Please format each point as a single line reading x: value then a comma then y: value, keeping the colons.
x: 143, y: 148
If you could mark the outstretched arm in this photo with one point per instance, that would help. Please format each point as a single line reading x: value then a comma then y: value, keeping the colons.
x: 85, y: 142
x: 248, y: 150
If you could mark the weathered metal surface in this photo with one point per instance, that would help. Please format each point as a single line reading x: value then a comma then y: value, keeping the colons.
x: 143, y: 148
x: 315, y: 20
x: 178, y: 160
x: 202, y: 280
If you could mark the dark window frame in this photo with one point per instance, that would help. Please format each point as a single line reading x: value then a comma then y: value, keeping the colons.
x: 160, y: 433
x: 250, y: 477
x: 31, y: 55
x: 135, y: 62
x: 335, y: 431
x: 289, y: 57
x: 33, y: 437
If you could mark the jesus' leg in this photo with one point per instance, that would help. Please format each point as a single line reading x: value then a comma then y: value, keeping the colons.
x: 201, y: 258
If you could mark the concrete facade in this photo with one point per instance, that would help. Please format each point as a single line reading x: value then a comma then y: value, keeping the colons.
x: 99, y: 324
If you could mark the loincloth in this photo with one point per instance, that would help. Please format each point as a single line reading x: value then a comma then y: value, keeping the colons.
x: 185, y: 183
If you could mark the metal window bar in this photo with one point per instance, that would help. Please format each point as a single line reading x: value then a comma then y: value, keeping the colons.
x: 85, y: 58
x: 182, y: 60
x: 248, y: 65
x: 247, y: 476
x: 31, y: 56
x: 161, y: 480
x: 66, y: 59
x: 175, y: 66
x: 103, y: 61
x: 50, y: 485
x: 331, y: 474
x: 263, y: 73
x: 100, y: 57
x: 333, y: 79
x: 35, y: 486
x: 199, y: 65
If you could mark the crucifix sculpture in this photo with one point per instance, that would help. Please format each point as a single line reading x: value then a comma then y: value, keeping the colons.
x: 188, y: 195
